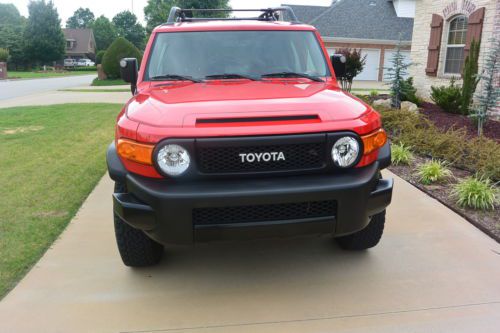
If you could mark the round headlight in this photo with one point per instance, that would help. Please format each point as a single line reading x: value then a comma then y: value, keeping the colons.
x: 173, y: 159
x: 345, y: 152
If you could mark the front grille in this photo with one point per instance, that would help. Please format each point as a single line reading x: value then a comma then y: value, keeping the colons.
x: 264, y: 213
x: 298, y: 156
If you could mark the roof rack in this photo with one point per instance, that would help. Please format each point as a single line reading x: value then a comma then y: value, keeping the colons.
x: 268, y: 14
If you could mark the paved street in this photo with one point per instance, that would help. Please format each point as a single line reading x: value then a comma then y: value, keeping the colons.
x: 17, y: 88
x: 432, y: 272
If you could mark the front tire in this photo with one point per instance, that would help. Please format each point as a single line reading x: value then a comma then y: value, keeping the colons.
x: 136, y: 249
x: 366, y: 238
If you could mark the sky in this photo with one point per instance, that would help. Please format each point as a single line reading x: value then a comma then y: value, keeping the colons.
x: 111, y: 7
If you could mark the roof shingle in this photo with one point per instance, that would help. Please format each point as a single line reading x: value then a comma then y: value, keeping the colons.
x: 357, y: 19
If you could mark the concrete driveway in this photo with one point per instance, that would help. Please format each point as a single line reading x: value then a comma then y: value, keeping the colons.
x: 432, y: 272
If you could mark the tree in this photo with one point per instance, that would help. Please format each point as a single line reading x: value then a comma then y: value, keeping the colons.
x: 470, y: 79
x: 396, y: 75
x: 490, y: 94
x: 4, y: 55
x: 354, y: 65
x: 43, y: 35
x: 127, y: 27
x: 82, y: 18
x: 119, y: 49
x: 9, y: 15
x: 11, y: 33
x: 104, y: 32
x: 156, y: 11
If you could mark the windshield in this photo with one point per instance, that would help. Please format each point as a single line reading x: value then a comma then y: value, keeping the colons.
x: 247, y: 53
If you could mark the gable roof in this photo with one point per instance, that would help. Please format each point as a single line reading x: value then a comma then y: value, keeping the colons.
x: 84, y: 39
x: 357, y: 19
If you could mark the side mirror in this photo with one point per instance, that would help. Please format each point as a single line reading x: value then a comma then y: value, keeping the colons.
x: 339, y: 65
x: 129, y: 72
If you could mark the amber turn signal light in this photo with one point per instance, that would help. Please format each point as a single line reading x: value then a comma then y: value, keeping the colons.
x: 136, y: 152
x: 374, y: 141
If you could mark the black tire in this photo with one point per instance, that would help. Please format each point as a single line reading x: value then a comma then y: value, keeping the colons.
x: 366, y: 238
x: 136, y: 249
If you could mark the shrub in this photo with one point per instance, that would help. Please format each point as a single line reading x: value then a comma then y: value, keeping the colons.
x: 119, y: 49
x: 433, y: 171
x: 99, y: 56
x: 470, y: 79
x: 374, y: 93
x: 476, y: 193
x: 480, y: 155
x: 409, y: 92
x: 82, y: 69
x: 401, y: 154
x: 354, y: 65
x: 449, y: 98
x: 4, y: 55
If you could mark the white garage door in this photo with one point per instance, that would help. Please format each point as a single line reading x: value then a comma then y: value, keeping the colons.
x: 370, y: 72
x: 388, y: 61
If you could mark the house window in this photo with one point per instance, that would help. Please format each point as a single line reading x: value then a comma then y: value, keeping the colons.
x: 456, y: 45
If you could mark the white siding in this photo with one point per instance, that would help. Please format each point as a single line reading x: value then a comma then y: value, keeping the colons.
x: 405, y: 8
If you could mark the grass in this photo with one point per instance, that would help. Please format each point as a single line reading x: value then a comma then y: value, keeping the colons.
x: 109, y: 82
x: 96, y: 90
x: 476, y: 193
x: 52, y: 158
x: 38, y: 75
x: 433, y: 171
x: 401, y: 154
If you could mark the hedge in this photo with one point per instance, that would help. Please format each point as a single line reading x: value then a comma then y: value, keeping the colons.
x: 479, y: 155
x: 119, y: 49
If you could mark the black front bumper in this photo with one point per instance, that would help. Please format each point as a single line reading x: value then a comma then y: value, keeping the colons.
x: 164, y: 210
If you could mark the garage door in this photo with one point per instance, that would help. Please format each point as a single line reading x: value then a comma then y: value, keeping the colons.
x: 370, y: 72
x: 388, y: 64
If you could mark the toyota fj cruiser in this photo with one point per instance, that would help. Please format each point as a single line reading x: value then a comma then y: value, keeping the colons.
x: 239, y: 129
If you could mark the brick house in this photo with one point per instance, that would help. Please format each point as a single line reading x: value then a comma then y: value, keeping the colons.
x: 442, y: 34
x: 375, y: 26
x: 80, y: 43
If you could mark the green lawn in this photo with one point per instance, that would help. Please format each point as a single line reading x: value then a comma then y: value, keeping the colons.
x: 51, y: 159
x: 109, y: 82
x: 37, y: 75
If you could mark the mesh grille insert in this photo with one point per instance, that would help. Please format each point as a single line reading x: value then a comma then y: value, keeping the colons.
x: 301, y: 156
x: 264, y: 213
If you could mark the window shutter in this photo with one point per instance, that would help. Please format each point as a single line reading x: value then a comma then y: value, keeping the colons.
x: 434, y: 45
x: 474, y: 29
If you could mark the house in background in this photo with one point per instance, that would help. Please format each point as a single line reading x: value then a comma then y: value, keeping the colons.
x: 375, y: 26
x: 80, y: 43
x: 442, y: 35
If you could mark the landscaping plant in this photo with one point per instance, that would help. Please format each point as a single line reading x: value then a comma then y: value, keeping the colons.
x: 490, y: 94
x: 449, y: 98
x: 99, y: 56
x: 433, y: 171
x: 354, y: 65
x: 401, y: 154
x: 396, y: 74
x: 475, y: 192
x: 374, y: 93
x: 470, y: 78
x: 478, y: 154
x: 119, y: 49
x: 409, y: 92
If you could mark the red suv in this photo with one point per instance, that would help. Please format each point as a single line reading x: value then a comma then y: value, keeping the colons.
x: 238, y: 129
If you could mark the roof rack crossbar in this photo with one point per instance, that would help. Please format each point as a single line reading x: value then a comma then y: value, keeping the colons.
x: 268, y: 14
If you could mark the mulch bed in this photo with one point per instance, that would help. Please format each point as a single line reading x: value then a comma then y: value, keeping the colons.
x: 488, y: 222
x: 445, y: 121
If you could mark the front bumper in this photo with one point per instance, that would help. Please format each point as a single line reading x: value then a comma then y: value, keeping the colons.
x: 165, y: 210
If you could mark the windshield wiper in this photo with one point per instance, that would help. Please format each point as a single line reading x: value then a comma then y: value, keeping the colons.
x: 175, y: 77
x: 232, y: 76
x: 293, y: 74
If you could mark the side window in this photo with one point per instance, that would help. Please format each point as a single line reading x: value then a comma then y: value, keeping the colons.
x: 456, y: 45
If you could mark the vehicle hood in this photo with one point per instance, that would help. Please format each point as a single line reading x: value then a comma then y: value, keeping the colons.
x: 182, y: 104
